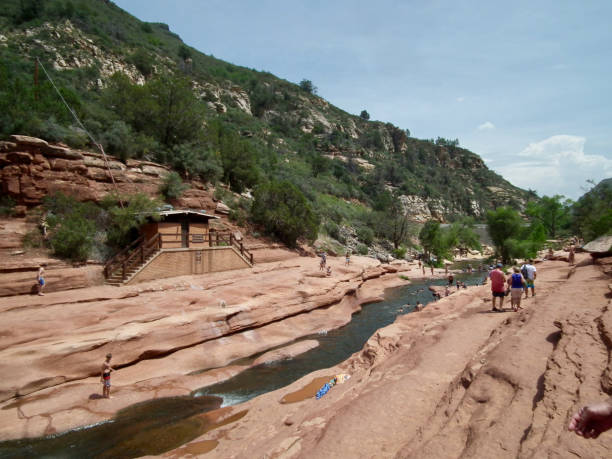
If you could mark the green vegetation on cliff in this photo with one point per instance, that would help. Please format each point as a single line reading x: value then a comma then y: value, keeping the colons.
x: 143, y: 93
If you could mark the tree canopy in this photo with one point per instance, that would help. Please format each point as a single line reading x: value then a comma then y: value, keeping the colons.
x: 283, y: 210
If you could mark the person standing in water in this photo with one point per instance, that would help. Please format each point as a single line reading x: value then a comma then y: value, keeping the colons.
x: 105, y: 376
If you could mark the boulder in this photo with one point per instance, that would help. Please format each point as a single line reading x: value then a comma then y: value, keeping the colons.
x: 7, y: 146
x: 600, y: 246
x: 30, y: 141
x: 222, y: 208
x: 55, y: 151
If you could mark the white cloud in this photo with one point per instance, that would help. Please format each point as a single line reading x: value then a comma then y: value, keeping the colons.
x: 556, y: 165
x: 486, y: 126
x: 460, y: 99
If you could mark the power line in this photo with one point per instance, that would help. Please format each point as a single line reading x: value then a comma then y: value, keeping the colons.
x: 76, y: 118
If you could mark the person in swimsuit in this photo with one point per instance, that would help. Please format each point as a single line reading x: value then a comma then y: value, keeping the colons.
x: 105, y: 376
x: 40, y: 280
x: 516, y: 282
x: 348, y: 258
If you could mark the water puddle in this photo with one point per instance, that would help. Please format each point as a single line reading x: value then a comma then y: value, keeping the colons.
x: 308, y: 391
x: 160, y: 425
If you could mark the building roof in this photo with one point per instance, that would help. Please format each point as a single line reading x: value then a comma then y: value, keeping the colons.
x: 186, y: 212
x: 199, y: 213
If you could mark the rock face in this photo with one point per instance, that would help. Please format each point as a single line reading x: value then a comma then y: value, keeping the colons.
x: 163, y: 335
x: 451, y: 381
x: 31, y: 169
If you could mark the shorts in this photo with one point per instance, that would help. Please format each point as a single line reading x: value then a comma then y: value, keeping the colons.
x: 41, y: 281
x: 530, y: 283
x: 499, y: 294
x: 106, y: 382
x: 516, y: 293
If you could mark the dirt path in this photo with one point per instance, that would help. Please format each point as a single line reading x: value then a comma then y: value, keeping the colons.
x: 454, y: 381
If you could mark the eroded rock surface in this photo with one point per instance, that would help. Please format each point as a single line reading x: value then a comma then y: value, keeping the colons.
x: 454, y: 381
x: 165, y: 336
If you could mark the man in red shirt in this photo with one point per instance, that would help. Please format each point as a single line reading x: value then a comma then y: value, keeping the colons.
x: 498, y: 286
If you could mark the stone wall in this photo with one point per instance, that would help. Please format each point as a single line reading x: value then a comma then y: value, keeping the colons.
x: 183, y: 262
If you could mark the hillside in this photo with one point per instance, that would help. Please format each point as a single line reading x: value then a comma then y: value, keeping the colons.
x: 143, y: 94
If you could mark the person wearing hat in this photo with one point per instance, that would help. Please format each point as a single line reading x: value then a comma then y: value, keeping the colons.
x: 498, y: 286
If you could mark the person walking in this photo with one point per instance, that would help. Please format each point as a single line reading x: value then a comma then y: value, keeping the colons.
x: 529, y: 272
x: 516, y: 283
x: 498, y: 286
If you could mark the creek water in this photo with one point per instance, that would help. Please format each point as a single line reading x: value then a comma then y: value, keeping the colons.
x: 159, y: 425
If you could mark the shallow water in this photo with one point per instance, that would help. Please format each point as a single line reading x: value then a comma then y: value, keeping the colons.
x: 159, y: 425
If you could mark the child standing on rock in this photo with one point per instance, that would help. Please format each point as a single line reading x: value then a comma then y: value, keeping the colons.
x: 105, y: 376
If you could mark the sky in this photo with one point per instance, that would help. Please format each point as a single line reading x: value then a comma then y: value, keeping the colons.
x: 524, y: 84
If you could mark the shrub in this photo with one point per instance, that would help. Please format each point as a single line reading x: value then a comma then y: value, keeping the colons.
x: 365, y: 235
x: 72, y: 225
x: 400, y: 252
x: 332, y: 229
x: 362, y: 249
x: 283, y: 211
x: 6, y: 206
x: 123, y: 221
x: 172, y: 186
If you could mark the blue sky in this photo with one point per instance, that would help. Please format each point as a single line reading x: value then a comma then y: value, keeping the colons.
x: 524, y: 84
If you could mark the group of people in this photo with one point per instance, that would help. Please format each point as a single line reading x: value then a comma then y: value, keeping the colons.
x: 520, y: 281
x: 323, y: 263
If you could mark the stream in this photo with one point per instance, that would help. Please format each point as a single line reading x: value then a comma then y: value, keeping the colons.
x: 159, y: 425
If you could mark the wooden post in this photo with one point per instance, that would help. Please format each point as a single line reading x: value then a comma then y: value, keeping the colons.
x: 142, y: 253
x: 217, y: 239
x: 252, y: 259
x: 231, y: 239
x: 241, y: 249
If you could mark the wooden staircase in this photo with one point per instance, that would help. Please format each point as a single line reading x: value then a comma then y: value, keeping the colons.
x: 122, y: 267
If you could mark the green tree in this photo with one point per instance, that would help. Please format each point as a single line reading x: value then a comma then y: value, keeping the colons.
x: 177, y: 115
x: 592, y: 213
x: 306, y: 85
x: 283, y: 210
x: 462, y: 234
x: 364, y: 115
x: 504, y: 224
x: 433, y: 240
x: 554, y: 213
x: 511, y: 236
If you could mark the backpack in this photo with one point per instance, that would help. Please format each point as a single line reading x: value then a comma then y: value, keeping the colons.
x: 524, y: 271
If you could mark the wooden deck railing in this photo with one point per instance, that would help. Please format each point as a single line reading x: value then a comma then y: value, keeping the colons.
x: 140, y: 250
